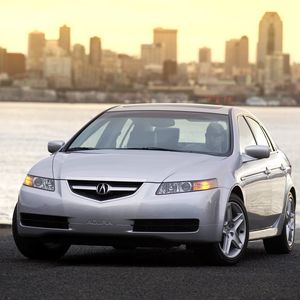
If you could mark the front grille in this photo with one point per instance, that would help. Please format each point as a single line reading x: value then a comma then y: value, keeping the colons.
x: 45, y: 221
x: 166, y: 225
x: 113, y: 189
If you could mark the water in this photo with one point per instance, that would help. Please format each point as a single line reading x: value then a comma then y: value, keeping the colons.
x: 25, y: 129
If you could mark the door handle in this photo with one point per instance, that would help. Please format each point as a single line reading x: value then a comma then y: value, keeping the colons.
x: 267, y: 171
x: 282, y: 167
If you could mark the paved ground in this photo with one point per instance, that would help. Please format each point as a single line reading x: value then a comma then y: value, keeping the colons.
x: 104, y: 273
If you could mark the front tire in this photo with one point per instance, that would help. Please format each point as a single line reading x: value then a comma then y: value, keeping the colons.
x: 283, y: 243
x: 34, y: 248
x: 235, y: 235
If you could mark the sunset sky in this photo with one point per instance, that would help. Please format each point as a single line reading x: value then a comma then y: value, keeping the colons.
x: 125, y: 24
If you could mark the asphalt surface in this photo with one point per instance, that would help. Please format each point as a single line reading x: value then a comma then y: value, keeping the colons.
x: 105, y: 273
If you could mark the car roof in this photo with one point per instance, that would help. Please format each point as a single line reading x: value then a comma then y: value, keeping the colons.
x: 188, y: 107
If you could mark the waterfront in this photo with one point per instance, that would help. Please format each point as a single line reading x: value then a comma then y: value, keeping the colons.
x: 25, y: 129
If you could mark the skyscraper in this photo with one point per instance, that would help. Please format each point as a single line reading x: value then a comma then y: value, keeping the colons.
x: 2, y: 59
x: 95, y: 51
x: 78, y: 52
x: 204, y: 55
x: 168, y: 38
x: 36, y: 45
x: 204, y: 59
x: 236, y: 56
x: 270, y: 37
x: 65, y: 39
x: 153, y: 54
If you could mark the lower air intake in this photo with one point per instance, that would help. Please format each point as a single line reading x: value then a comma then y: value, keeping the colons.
x: 166, y: 225
x: 46, y: 221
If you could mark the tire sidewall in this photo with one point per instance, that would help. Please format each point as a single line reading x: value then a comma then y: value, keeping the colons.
x: 220, y: 255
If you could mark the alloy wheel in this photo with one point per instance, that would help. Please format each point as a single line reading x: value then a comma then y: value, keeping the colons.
x: 234, y: 231
x: 290, y: 221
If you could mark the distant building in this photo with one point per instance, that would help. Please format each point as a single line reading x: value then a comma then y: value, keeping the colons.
x: 2, y: 60
x: 58, y: 71
x: 111, y: 63
x: 153, y: 54
x: 78, y: 53
x: 204, y: 61
x: 236, y: 57
x: 57, y: 65
x: 15, y: 64
x: 204, y: 55
x: 95, y: 51
x: 270, y: 37
x: 52, y: 48
x: 65, y: 39
x: 169, y: 71
x: 85, y: 76
x: 12, y: 64
x: 36, y: 45
x: 168, y: 38
x: 130, y: 66
x: 295, y: 71
x: 276, y: 72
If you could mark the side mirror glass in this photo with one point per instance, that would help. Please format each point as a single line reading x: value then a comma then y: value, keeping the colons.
x: 258, y: 151
x: 54, y: 146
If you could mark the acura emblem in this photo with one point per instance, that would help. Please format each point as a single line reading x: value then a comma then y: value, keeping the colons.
x: 102, y: 188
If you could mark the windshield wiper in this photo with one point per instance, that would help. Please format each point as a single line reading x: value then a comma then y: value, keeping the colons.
x: 81, y: 149
x: 153, y: 148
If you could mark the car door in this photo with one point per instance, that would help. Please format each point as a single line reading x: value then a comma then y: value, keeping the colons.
x: 254, y: 179
x: 278, y: 167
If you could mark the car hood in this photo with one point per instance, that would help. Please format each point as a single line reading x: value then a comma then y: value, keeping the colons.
x: 128, y: 165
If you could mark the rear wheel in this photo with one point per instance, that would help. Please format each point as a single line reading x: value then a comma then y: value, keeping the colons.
x: 283, y: 243
x: 34, y: 248
x: 235, y: 235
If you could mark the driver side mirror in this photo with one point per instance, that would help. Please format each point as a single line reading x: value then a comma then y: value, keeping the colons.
x: 258, y: 151
x: 54, y: 146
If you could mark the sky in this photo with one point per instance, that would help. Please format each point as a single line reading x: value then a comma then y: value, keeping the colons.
x: 124, y: 25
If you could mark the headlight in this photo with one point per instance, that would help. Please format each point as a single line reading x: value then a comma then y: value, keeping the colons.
x: 40, y: 183
x: 186, y: 186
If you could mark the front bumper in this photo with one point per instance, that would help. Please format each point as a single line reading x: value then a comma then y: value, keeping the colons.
x: 108, y: 222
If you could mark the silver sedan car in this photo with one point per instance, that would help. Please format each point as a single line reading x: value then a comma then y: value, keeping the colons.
x: 160, y: 175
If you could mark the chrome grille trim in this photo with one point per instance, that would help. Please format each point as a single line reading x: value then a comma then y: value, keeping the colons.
x: 115, y: 189
x: 110, y: 188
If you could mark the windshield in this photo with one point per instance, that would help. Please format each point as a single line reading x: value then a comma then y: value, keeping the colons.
x: 157, y: 130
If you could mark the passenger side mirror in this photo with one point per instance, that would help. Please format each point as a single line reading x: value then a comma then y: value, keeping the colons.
x: 258, y: 151
x: 54, y: 146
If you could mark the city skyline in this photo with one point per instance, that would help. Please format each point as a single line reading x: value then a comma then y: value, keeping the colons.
x: 127, y: 37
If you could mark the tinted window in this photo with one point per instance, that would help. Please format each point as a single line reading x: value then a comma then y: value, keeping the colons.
x: 258, y: 133
x: 176, y: 131
x: 246, y: 136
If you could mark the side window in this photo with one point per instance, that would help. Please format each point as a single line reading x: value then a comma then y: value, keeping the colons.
x: 258, y: 133
x: 269, y: 139
x: 246, y: 136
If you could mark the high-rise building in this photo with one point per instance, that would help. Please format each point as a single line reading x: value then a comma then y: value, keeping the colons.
x: 111, y: 63
x: 270, y: 37
x: 168, y: 38
x: 204, y: 66
x: 153, y: 54
x: 78, y: 53
x: 15, y: 64
x: 36, y: 45
x: 95, y: 51
x: 204, y: 55
x: 130, y: 66
x: 2, y: 59
x: 236, y: 57
x: 65, y: 39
